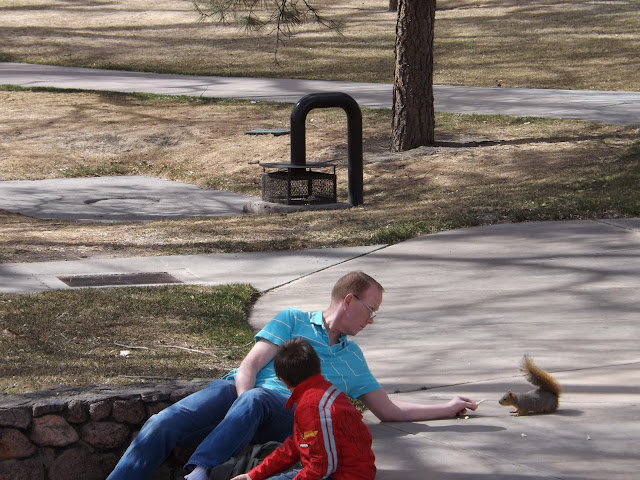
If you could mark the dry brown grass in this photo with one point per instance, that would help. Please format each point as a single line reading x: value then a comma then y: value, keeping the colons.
x: 484, y: 170
x: 571, y: 44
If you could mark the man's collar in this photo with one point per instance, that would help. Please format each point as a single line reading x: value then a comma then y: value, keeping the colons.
x: 317, y: 319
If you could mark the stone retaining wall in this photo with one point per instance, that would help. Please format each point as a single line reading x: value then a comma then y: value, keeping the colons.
x: 80, y: 433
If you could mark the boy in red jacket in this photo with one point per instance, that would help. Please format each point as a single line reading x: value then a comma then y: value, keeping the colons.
x: 329, y: 437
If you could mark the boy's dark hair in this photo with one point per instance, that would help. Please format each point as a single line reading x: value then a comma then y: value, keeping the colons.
x: 295, y: 361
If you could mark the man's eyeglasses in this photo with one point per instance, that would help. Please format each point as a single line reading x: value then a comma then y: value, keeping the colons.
x: 372, y: 313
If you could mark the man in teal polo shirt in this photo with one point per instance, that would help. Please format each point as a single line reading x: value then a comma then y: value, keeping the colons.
x: 248, y: 405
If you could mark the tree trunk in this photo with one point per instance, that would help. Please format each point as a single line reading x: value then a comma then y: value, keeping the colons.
x: 393, y: 5
x: 413, y: 110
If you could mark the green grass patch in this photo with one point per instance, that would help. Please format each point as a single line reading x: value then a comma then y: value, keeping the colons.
x: 118, y: 335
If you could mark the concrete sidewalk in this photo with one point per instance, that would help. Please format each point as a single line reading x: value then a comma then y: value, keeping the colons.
x: 621, y: 108
x: 263, y: 270
x: 130, y: 198
x: 460, y: 310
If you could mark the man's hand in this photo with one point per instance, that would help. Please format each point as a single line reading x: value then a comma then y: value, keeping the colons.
x: 461, y: 404
x: 244, y: 476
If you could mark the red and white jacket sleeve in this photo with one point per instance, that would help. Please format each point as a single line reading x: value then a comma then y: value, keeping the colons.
x: 281, y: 459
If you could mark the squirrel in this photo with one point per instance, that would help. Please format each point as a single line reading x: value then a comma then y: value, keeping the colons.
x: 543, y: 399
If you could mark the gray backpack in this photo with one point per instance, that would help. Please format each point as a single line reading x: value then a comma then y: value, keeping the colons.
x: 244, y: 461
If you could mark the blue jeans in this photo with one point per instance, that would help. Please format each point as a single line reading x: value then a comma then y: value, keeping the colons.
x: 215, y: 419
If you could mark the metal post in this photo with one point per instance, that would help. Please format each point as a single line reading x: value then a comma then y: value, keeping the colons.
x: 354, y: 135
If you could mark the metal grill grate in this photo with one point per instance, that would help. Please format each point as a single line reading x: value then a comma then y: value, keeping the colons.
x: 119, y: 279
x: 299, y: 186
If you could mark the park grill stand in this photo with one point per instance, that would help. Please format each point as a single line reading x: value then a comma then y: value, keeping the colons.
x: 299, y: 182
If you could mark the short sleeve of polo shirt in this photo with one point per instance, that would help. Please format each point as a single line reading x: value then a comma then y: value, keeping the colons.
x: 280, y: 328
x: 343, y: 364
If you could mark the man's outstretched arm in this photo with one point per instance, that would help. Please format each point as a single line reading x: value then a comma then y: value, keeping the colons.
x: 397, y: 411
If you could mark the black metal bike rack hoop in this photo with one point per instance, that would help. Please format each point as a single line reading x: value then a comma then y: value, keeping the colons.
x: 354, y: 135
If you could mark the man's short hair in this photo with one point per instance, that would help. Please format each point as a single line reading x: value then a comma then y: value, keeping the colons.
x: 295, y: 361
x: 353, y: 282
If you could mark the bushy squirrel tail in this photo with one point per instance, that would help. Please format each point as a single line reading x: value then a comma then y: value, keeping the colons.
x: 539, y: 377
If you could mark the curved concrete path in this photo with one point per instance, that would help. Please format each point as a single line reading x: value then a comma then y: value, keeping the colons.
x: 621, y: 108
x: 459, y: 311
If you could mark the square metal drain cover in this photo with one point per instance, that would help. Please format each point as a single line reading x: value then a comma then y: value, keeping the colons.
x: 119, y: 279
